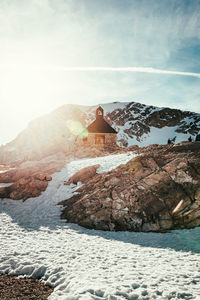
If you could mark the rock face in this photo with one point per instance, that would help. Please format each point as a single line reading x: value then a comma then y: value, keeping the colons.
x: 29, y: 178
x: 156, y: 191
x: 83, y: 175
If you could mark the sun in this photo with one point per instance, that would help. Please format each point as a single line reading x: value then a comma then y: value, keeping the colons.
x: 30, y: 87
x: 34, y: 89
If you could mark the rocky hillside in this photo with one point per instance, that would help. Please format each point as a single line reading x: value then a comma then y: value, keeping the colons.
x: 142, y: 125
x: 156, y: 191
x: 136, y: 124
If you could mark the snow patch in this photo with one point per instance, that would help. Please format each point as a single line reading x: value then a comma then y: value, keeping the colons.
x: 5, y: 184
x: 155, y: 136
x: 89, y: 264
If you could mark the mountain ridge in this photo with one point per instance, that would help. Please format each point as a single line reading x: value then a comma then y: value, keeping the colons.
x: 136, y: 124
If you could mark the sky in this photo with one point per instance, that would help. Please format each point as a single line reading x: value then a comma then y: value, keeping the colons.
x: 54, y: 52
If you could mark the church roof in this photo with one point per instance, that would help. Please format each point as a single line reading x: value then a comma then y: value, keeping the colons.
x: 100, y: 126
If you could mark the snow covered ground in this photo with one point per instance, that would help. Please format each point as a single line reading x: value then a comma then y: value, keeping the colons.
x: 89, y: 264
x: 155, y: 136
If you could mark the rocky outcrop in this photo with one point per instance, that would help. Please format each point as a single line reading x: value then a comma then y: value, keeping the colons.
x: 24, y: 188
x: 30, y: 178
x: 83, y: 175
x: 156, y: 191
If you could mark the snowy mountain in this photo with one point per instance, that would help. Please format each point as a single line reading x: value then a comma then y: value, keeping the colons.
x: 142, y: 125
x: 136, y: 124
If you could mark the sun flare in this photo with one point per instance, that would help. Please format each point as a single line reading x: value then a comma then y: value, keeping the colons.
x: 77, y: 129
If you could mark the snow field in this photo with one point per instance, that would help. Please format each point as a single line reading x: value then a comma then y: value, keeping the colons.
x: 89, y: 264
x: 155, y: 136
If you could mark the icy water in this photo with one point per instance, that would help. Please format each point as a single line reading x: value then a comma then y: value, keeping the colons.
x: 89, y: 264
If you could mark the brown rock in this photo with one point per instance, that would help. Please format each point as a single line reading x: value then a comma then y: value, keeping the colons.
x: 156, y: 191
x: 30, y: 178
x: 112, y: 182
x: 4, y: 192
x: 48, y: 178
x: 14, y: 288
x: 40, y: 176
x: 83, y: 175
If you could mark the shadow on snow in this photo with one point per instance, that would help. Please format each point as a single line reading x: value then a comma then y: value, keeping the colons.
x: 179, y: 240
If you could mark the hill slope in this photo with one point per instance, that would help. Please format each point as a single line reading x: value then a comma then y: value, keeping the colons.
x: 136, y: 124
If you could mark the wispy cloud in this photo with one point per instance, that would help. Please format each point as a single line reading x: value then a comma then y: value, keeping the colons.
x: 125, y: 69
x: 99, y: 69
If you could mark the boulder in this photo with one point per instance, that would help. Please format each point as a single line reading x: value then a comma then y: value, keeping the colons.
x: 83, y: 175
x: 24, y: 188
x: 158, y: 190
x: 30, y: 178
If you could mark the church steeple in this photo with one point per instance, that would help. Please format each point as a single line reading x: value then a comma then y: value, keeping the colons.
x: 99, y: 113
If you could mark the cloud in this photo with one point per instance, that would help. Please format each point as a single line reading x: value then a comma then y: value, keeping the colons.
x: 125, y: 69
x: 99, y: 69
